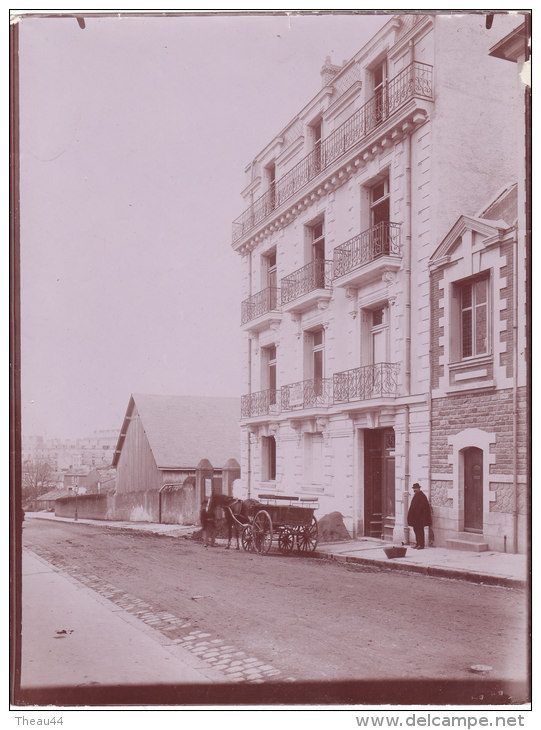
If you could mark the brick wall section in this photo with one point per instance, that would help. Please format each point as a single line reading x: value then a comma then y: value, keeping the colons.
x: 489, y: 412
x: 436, y: 330
x: 506, y: 292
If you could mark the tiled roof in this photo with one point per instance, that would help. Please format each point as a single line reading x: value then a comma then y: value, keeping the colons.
x: 182, y: 430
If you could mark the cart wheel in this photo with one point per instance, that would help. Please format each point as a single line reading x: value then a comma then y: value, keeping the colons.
x: 307, y: 537
x: 247, y: 538
x: 286, y: 540
x: 262, y: 532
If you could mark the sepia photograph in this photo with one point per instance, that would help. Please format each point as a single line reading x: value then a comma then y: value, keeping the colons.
x: 270, y: 349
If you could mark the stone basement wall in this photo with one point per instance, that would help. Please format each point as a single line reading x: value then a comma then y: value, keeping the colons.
x: 490, y: 413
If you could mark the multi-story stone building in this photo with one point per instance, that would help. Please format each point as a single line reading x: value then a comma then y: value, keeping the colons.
x: 345, y: 209
x: 96, y: 450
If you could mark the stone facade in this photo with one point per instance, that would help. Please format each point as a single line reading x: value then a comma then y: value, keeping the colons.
x: 345, y: 308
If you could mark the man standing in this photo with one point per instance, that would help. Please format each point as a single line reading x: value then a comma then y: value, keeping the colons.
x: 419, y: 515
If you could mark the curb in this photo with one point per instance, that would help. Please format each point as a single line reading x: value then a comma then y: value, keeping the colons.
x: 388, y: 565
x: 428, y: 570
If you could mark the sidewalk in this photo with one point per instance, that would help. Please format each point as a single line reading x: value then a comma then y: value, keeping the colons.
x: 73, y: 637
x: 504, y: 569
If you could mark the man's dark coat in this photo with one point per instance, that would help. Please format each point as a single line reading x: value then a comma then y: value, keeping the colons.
x: 419, y: 512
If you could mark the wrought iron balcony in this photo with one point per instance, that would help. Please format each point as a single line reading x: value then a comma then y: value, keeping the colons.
x: 307, y: 394
x: 263, y: 403
x: 267, y: 300
x: 369, y: 381
x: 382, y: 239
x: 414, y: 81
x: 317, y: 274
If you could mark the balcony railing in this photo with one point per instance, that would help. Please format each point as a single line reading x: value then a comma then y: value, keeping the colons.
x: 307, y: 394
x: 382, y: 239
x: 317, y: 274
x: 370, y: 381
x: 267, y: 300
x: 260, y: 404
x: 413, y: 81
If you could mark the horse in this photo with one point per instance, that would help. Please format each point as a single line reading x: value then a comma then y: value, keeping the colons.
x: 237, y: 512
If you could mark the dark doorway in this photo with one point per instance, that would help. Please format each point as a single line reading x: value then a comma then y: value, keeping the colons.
x: 473, y: 489
x: 379, y: 489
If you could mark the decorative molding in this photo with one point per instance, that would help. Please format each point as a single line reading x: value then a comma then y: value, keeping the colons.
x: 334, y: 179
x: 388, y: 277
x: 274, y: 430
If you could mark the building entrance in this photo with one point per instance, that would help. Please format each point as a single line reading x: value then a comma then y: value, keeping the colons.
x: 379, y: 488
x: 473, y: 490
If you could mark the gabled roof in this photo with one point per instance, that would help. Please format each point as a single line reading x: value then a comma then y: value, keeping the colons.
x: 493, y: 230
x: 182, y: 430
x: 486, y: 228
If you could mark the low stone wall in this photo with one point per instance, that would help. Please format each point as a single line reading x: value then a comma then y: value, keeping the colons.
x: 174, y: 506
x: 178, y: 505
x: 89, y: 506
x: 137, y: 507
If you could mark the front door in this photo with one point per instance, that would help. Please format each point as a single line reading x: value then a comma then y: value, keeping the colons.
x: 473, y: 490
x: 379, y: 488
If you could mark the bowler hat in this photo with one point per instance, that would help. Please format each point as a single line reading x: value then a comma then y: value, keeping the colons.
x: 417, y: 485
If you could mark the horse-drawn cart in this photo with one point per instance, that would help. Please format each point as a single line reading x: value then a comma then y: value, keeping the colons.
x: 288, y: 520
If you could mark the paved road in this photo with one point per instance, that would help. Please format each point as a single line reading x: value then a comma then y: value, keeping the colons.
x: 255, y: 618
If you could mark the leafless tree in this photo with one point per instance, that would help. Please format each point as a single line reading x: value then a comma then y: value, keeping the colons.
x: 37, y: 479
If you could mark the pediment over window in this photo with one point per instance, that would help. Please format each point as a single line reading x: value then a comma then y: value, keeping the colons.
x: 490, y: 231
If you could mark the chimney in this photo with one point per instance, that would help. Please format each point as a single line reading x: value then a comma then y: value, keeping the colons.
x: 328, y: 72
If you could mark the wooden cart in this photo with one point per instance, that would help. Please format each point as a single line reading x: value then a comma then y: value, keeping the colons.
x: 288, y: 520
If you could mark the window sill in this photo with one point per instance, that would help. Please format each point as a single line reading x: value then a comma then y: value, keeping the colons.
x: 472, y: 362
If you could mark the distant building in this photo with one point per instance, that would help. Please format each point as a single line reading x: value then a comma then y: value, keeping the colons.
x: 374, y: 194
x: 99, y: 481
x: 48, y: 501
x: 95, y: 450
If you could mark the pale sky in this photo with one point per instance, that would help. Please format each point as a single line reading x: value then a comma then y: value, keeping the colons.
x: 135, y: 133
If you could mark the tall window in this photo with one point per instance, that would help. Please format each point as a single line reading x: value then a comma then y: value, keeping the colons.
x: 318, y: 241
x: 380, y: 202
x: 271, y: 279
x: 271, y: 176
x: 318, y: 360
x: 317, y: 137
x: 474, y: 317
x: 271, y: 269
x: 268, y: 465
x: 379, y: 334
x: 269, y: 355
x: 380, y: 208
x: 318, y: 254
x: 380, y: 90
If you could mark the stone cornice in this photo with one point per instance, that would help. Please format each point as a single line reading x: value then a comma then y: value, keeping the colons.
x: 410, y: 117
